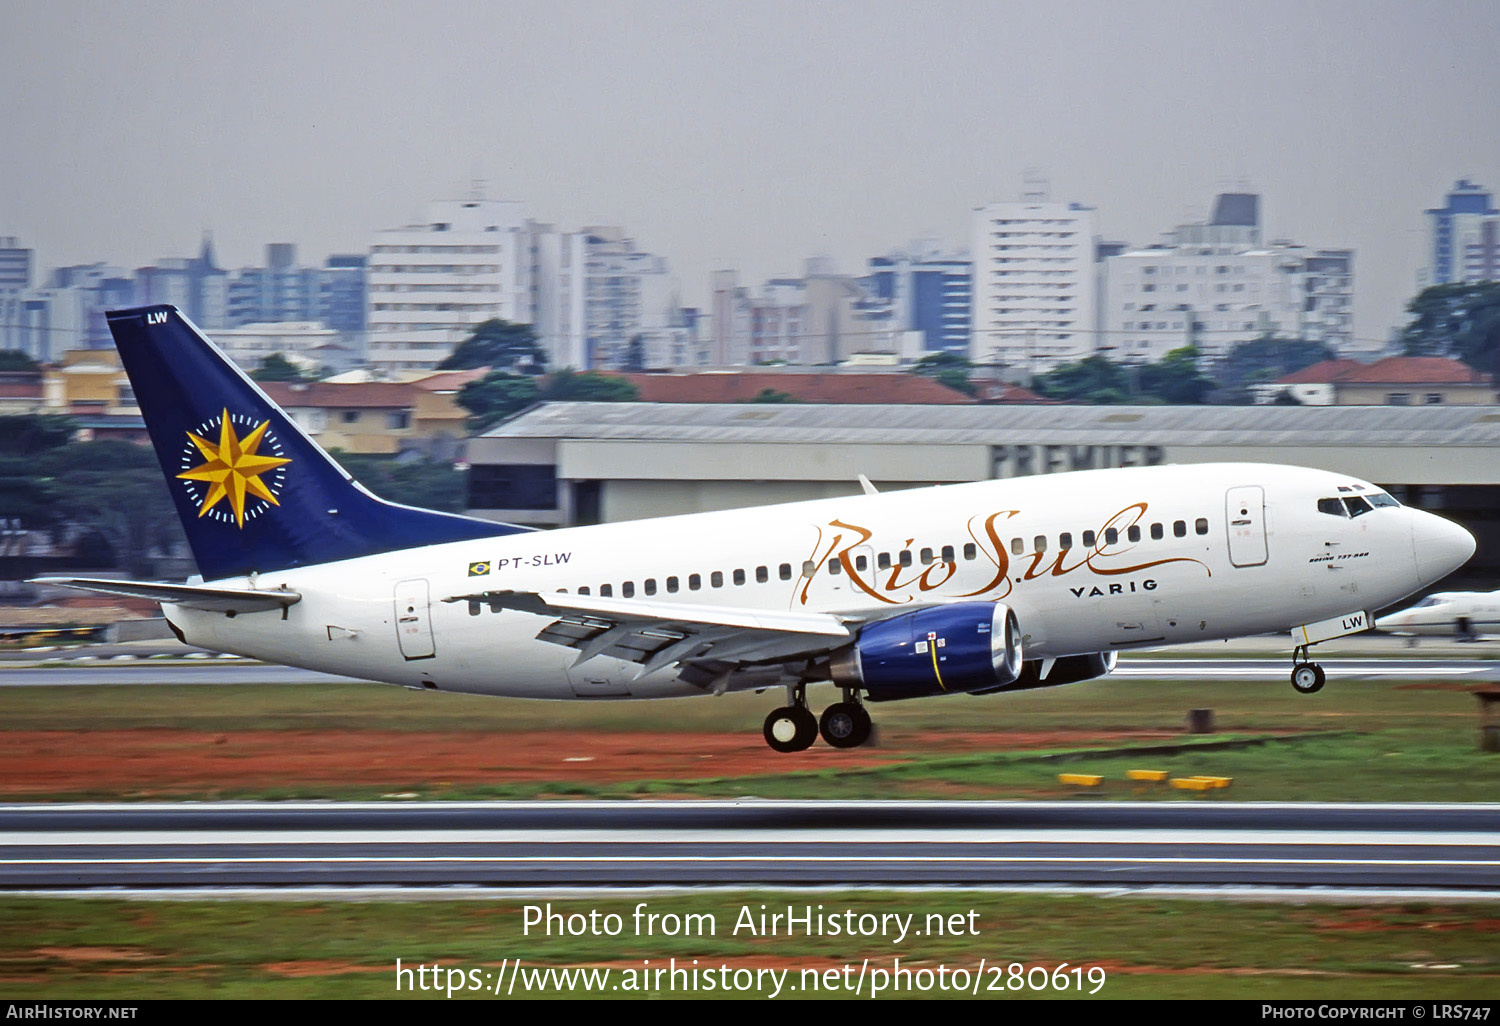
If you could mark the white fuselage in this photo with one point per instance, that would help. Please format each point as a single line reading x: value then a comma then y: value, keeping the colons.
x: 1222, y: 550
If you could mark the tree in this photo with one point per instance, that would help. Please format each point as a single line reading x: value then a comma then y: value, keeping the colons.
x: 30, y: 433
x: 770, y: 395
x: 635, y: 354
x: 277, y: 367
x: 1093, y: 380
x: 15, y: 360
x: 1176, y: 378
x: 117, y: 489
x: 948, y: 369
x: 496, y: 396
x: 572, y: 386
x: 501, y: 346
x: 1458, y: 321
x: 430, y: 484
x: 1267, y: 359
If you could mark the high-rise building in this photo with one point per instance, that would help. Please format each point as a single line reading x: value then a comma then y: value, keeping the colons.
x: 730, y: 320
x: 559, y: 270
x: 283, y: 291
x: 927, y: 291
x: 1033, y: 284
x: 1465, y: 237
x: 195, y: 285
x: 1214, y: 284
x: 15, y: 265
x: 629, y: 302
x: 432, y: 284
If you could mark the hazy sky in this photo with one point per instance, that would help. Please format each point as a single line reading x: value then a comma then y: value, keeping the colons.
x: 747, y: 135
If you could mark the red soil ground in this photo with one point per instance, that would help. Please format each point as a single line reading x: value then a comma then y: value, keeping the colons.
x: 166, y: 762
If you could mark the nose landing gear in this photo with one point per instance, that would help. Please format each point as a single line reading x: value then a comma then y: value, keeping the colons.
x: 1307, y: 677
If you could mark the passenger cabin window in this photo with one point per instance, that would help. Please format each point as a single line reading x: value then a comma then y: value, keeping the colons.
x: 627, y: 590
x: 1088, y: 539
x: 1179, y: 528
x: 762, y: 575
x: 606, y: 590
x: 861, y: 562
x: 926, y: 556
x: 650, y: 586
x: 584, y: 590
x: 1133, y: 532
x: 809, y: 568
x: 1157, y: 532
x: 833, y: 566
x: 694, y: 582
x: 672, y: 585
x: 716, y: 579
x: 1111, y: 536
x: 906, y: 557
x: 971, y: 551
x: 947, y: 553
x: 883, y: 561
x: 1065, y: 541
x: 1201, y: 525
x: 739, y: 577
x: 1039, y: 543
x: 785, y: 570
x: 1017, y: 546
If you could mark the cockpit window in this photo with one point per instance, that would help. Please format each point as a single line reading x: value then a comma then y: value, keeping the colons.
x: 1357, y: 505
x: 1381, y: 499
x: 1333, y: 507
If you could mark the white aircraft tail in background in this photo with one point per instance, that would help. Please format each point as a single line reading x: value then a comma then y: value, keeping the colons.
x: 1466, y: 615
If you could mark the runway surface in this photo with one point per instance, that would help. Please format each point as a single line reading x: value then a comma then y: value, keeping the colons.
x: 566, y: 844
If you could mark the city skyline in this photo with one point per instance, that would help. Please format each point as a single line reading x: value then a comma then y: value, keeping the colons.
x: 747, y: 139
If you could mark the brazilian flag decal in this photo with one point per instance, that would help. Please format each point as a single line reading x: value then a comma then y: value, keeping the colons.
x: 479, y: 569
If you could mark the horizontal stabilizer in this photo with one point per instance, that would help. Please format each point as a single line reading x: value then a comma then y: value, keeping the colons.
x: 193, y: 596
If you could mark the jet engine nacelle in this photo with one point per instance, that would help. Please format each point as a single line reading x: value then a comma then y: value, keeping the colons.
x: 967, y: 646
x: 1067, y: 670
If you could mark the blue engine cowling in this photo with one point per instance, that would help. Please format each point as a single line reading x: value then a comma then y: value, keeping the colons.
x: 967, y: 646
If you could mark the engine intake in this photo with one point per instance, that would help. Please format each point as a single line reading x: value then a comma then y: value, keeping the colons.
x: 967, y: 646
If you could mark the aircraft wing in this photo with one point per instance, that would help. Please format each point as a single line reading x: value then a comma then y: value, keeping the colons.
x: 193, y: 596
x: 659, y: 634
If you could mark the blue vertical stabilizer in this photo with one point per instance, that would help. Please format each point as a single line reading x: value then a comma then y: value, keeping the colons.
x: 254, y: 492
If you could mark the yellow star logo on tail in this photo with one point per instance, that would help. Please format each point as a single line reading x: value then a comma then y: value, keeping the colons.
x: 233, y: 468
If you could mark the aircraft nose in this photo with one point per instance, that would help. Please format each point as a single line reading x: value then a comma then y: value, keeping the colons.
x: 1440, y: 546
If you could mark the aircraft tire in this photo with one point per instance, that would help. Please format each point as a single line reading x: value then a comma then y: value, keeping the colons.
x: 1308, y: 678
x: 790, y: 729
x: 845, y: 725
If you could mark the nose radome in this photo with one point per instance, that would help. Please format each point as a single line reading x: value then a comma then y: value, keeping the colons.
x: 1440, y: 546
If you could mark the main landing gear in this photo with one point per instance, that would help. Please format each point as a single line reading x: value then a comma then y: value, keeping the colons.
x: 1307, y: 677
x: 793, y: 728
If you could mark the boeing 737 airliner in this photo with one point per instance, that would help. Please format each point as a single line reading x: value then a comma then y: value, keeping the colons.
x: 976, y: 588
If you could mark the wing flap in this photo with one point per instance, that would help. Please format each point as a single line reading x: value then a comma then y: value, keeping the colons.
x: 556, y: 603
x: 193, y: 596
x: 655, y: 635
